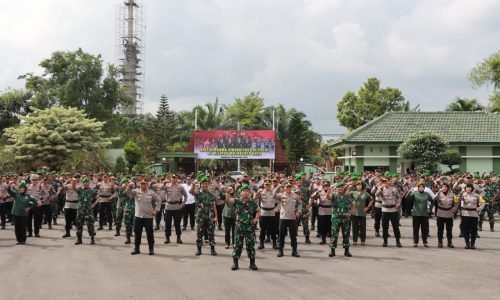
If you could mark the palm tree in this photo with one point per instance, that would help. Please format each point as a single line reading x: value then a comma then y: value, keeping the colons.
x: 464, y: 104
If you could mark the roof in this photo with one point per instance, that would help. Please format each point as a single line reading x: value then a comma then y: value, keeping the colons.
x: 455, y: 127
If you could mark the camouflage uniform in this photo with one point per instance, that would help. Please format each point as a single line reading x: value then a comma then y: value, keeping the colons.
x: 129, y: 213
x: 305, y: 194
x: 86, y: 197
x: 245, y: 229
x: 204, y: 216
x: 120, y: 205
x: 490, y: 191
x: 341, y: 206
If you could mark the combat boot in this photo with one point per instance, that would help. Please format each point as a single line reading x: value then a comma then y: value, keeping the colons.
x: 347, y: 253
x: 198, y: 251
x: 332, y: 253
x: 398, y: 244
x: 480, y: 226
x: 66, y: 234
x: 323, y: 240
x: 450, y: 244
x: 92, y: 241
x: 212, y: 250
x: 492, y: 227
x: 385, y: 243
x: 54, y: 221
x: 308, y: 241
x: 128, y: 239
x: 179, y: 241
x: 167, y: 240
x: 235, y: 264
x: 440, y: 243
x: 473, y: 244
x: 110, y: 227
x: 253, y: 266
x: 261, y: 245
x: 151, y: 250
x: 50, y: 226
x: 78, y: 239
x: 377, y: 233
x: 295, y: 253
x: 280, y: 252
x: 136, y: 251
x: 117, y: 231
x: 275, y: 245
x: 467, y: 244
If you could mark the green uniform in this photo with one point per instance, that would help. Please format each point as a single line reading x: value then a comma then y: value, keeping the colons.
x: 120, y: 206
x: 21, y: 202
x: 129, y: 214
x: 204, y: 216
x: 85, y: 213
x: 341, y: 205
x: 489, y: 192
x: 245, y: 229
x: 305, y: 195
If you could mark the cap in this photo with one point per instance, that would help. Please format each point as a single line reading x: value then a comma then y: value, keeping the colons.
x: 22, y: 185
x: 244, y: 187
x: 85, y: 179
x: 340, y: 184
x: 124, y: 180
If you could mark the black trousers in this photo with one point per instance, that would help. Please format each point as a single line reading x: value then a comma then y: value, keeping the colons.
x: 176, y: 215
x: 314, y: 215
x: 3, y: 214
x: 377, y: 213
x: 47, y: 213
x: 69, y: 217
x: 441, y: 222
x: 20, y: 223
x: 420, y: 224
x: 158, y: 215
x: 35, y: 220
x: 189, y: 213
x: 393, y: 218
x: 219, y: 208
x: 105, y: 215
x: 358, y: 228
x: 469, y: 226
x: 267, y: 226
x: 324, y: 225
x: 291, y: 227
x: 147, y: 224
x: 229, y: 225
x: 8, y: 209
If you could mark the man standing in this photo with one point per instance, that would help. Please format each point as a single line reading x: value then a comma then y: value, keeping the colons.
x: 190, y: 205
x: 70, y: 205
x: 206, y: 214
x: 342, y: 210
x: 491, y: 191
x: 290, y: 208
x: 147, y: 205
x: 85, y: 213
x: 305, y: 195
x: 174, y: 208
x: 265, y: 199
x: 120, y: 205
x: 390, y: 204
x: 105, y: 191
x: 36, y: 191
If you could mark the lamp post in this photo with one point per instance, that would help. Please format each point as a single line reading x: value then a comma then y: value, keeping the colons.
x: 164, y: 166
x: 301, y: 164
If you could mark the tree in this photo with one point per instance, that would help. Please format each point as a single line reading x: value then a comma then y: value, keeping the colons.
x: 424, y: 148
x: 75, y: 79
x: 120, y: 165
x: 301, y: 141
x: 50, y: 136
x: 211, y: 116
x: 487, y: 72
x: 164, y: 125
x: 355, y: 110
x: 464, y: 104
x: 133, y: 154
x: 246, y: 111
x: 13, y: 103
x: 450, y: 158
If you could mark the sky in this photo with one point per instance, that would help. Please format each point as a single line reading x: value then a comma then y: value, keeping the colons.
x: 301, y: 53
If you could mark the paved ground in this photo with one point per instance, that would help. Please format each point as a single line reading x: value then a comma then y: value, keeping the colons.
x: 53, y: 268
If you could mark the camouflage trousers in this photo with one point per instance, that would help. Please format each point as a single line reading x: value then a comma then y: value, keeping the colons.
x: 119, y: 217
x: 205, y: 224
x: 55, y: 209
x: 244, y: 233
x: 488, y: 209
x: 304, y: 219
x: 114, y: 206
x: 85, y: 216
x: 129, y: 214
x: 338, y: 224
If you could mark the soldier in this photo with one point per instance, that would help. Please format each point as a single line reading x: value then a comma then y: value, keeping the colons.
x: 176, y: 199
x: 206, y: 214
x: 245, y: 226
x: 363, y: 202
x: 390, y: 205
x: 23, y: 203
x: 342, y: 209
x: 129, y: 212
x: 290, y: 209
x: 86, y: 204
x: 147, y: 205
x: 419, y: 203
x: 120, y: 205
x: 265, y: 199
x: 324, y: 211
x: 305, y: 195
x: 446, y: 207
x: 490, y: 193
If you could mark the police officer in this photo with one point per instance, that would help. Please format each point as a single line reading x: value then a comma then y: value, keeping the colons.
x: 176, y: 198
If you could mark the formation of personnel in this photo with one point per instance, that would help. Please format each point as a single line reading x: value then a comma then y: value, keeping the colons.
x: 277, y: 204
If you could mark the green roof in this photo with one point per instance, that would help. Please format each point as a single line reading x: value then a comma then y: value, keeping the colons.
x: 455, y: 127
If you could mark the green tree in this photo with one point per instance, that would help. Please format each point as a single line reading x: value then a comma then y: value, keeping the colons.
x: 246, y: 111
x: 13, y: 103
x: 133, y: 154
x: 425, y: 149
x: 50, y: 136
x: 120, y: 165
x: 301, y: 142
x: 487, y: 72
x: 164, y: 125
x: 464, y: 104
x: 76, y: 79
x: 355, y: 110
x: 450, y: 158
x: 210, y: 116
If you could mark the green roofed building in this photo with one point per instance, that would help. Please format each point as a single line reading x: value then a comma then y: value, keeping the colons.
x: 374, y: 145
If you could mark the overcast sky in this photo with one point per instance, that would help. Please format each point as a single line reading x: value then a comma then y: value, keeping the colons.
x: 306, y: 54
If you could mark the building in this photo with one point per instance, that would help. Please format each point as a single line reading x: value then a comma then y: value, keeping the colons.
x: 476, y: 135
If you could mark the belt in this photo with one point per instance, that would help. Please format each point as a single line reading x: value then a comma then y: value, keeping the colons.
x: 379, y: 201
x: 71, y: 201
x: 325, y: 206
x: 469, y: 209
x: 445, y: 209
x: 104, y: 196
x: 175, y: 202
x: 388, y: 206
x: 267, y: 208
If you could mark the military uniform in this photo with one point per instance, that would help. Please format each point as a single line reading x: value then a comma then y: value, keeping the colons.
x: 446, y: 206
x: 305, y: 195
x: 205, y: 217
x: 341, y: 210
x: 70, y: 206
x: 490, y: 191
x: 324, y: 212
x: 120, y: 206
x: 37, y: 192
x: 470, y: 203
x: 390, y: 203
x: 361, y: 201
x: 85, y: 214
x: 419, y: 202
x: 174, y: 209
x: 21, y: 203
x: 290, y: 206
x: 105, y: 198
x: 265, y: 198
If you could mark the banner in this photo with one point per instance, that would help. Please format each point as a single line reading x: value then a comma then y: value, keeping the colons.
x: 234, y: 144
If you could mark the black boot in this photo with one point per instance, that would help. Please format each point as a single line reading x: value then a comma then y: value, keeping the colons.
x: 295, y: 253
x: 280, y: 252
x: 128, y: 239
x: 253, y: 266
x: 100, y: 227
x: 212, y: 250
x: 167, y: 240
x: 467, y: 244
x: 235, y: 264
x: 54, y: 221
x: 450, y: 244
x: 323, y: 240
x: 377, y: 233
x: 179, y: 241
x: 332, y: 253
x: 117, y: 233
x: 198, y: 251
x: 50, y: 226
x: 492, y: 227
x: 347, y: 253
x: 398, y: 244
x: 151, y: 250
x: 473, y: 244
x: 92, y: 241
x: 136, y: 251
x: 480, y: 226
x: 78, y: 239
x: 385, y: 243
x: 261, y: 245
x: 275, y: 245
x: 308, y: 241
x: 66, y: 234
x: 440, y: 243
